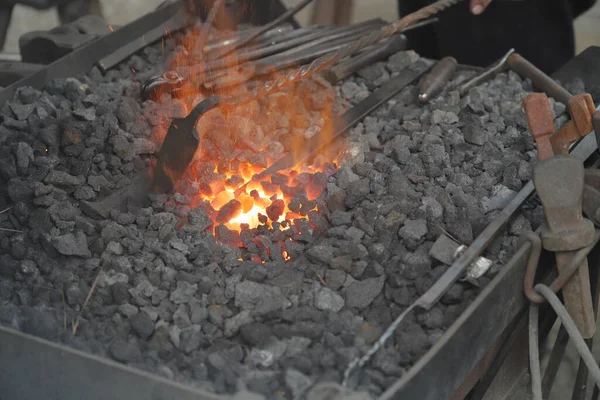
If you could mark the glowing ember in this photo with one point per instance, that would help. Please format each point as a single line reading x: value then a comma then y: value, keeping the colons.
x: 237, y: 144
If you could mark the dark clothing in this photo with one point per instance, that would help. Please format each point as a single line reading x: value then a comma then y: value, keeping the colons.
x: 539, y: 30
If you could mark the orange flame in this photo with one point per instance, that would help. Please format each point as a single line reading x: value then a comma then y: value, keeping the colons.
x: 236, y: 144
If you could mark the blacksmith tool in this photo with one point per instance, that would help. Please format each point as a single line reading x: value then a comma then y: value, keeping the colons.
x: 372, y: 54
x: 433, y: 83
x: 486, y: 75
x: 210, y: 19
x: 282, y: 18
x: 195, y: 75
x: 173, y: 160
x: 273, y: 36
x: 541, y: 123
x: 526, y: 70
x: 176, y: 23
x: 82, y: 59
x: 582, y: 150
x: 538, y: 78
x: 346, y: 68
x: 344, y: 122
x: 559, y: 182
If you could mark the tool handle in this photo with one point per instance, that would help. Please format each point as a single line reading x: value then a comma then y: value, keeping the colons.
x: 539, y: 79
x: 434, y: 82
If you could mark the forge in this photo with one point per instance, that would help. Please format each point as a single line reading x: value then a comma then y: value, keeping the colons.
x: 244, y: 281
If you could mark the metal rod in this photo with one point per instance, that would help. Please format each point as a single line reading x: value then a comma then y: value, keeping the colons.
x: 534, y: 352
x: 556, y: 356
x: 283, y: 17
x: 539, y: 79
x: 328, y: 60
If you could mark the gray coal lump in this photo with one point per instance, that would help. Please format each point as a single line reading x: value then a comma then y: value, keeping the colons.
x: 171, y: 299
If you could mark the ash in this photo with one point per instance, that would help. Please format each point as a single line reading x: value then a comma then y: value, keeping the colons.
x: 172, y: 299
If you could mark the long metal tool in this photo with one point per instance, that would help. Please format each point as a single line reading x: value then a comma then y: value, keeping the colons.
x: 584, y: 149
x: 283, y: 17
x: 329, y: 60
x: 179, y: 21
x: 346, y: 68
x: 84, y: 58
x: 175, y: 163
x: 344, y: 122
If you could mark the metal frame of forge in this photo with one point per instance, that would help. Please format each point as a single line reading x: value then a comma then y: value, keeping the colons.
x: 32, y: 367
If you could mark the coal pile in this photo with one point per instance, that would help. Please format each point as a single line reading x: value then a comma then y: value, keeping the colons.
x: 293, y: 302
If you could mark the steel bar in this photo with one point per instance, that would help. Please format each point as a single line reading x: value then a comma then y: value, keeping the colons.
x: 330, y: 59
x: 342, y: 123
x: 486, y: 75
x: 346, y: 68
x: 539, y: 79
x: 297, y: 44
x: 84, y: 58
x: 534, y: 352
x: 208, y: 22
x: 213, y: 44
x: 282, y: 18
x: 467, y: 340
x: 556, y: 357
x: 302, y: 54
x: 174, y: 24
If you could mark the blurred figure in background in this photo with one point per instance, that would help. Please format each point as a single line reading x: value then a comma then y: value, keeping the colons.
x: 540, y: 30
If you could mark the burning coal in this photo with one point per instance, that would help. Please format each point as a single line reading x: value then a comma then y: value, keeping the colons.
x: 237, y: 144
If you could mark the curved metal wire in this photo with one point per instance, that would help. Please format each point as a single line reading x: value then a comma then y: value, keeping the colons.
x: 577, y: 339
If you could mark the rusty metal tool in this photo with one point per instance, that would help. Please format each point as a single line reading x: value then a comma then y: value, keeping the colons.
x: 297, y: 44
x: 174, y: 160
x: 526, y: 70
x: 172, y: 80
x: 433, y: 83
x: 559, y: 182
x: 213, y: 44
x: 486, y: 75
x: 541, y: 123
x: 210, y: 19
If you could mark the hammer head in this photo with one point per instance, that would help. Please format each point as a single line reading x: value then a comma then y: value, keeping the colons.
x: 541, y: 122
